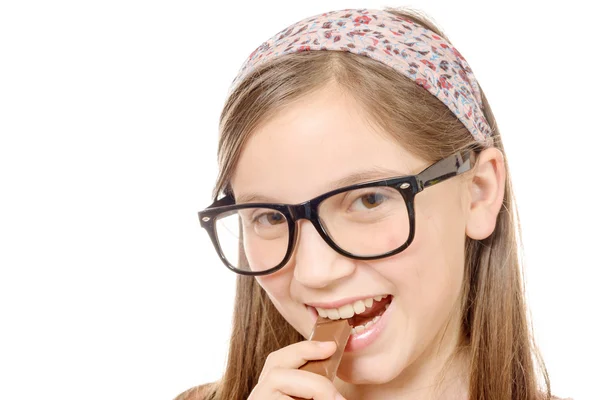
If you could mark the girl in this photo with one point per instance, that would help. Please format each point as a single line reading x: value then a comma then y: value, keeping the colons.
x: 363, y: 176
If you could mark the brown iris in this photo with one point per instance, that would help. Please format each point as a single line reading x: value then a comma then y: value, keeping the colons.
x: 275, y: 218
x: 372, y: 200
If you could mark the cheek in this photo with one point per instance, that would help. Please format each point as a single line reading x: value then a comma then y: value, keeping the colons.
x: 428, y: 274
x: 276, y: 285
x: 440, y: 239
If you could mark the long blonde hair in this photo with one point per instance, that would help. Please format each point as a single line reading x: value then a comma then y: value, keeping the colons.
x: 505, y: 363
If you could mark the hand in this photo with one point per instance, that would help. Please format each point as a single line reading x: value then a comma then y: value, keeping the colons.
x: 281, y: 379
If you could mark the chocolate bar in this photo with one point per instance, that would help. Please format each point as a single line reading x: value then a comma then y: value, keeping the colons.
x: 326, y: 330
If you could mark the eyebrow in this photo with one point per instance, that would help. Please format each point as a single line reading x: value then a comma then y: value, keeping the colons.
x: 371, y: 174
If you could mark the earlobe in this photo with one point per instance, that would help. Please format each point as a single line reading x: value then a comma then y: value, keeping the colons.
x: 486, y: 193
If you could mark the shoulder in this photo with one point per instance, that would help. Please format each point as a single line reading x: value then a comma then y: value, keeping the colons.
x: 200, y: 392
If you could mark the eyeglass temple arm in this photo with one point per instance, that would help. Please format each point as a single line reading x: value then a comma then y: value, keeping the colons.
x: 225, y: 201
x: 444, y: 169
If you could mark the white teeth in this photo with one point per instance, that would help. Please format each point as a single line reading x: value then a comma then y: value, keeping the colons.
x: 322, y: 312
x: 346, y: 311
x: 386, y: 306
x: 371, y: 322
x: 349, y: 310
x: 361, y: 328
x: 359, y: 307
x: 333, y: 313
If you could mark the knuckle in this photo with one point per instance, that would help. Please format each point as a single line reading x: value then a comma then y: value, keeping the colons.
x: 266, y: 375
x: 271, y: 374
x: 270, y: 360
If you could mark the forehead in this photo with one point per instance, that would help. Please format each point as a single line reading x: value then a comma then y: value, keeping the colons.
x: 310, y: 146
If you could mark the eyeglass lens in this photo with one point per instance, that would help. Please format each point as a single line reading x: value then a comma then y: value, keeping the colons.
x: 364, y: 222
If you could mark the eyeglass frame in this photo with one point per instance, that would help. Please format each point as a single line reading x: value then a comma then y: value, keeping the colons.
x: 408, y: 186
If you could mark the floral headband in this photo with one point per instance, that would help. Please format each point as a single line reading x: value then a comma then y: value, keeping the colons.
x: 409, y: 48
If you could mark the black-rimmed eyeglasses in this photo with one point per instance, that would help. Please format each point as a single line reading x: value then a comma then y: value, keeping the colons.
x: 365, y: 221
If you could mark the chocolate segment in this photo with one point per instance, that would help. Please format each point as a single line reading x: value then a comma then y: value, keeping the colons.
x: 326, y: 330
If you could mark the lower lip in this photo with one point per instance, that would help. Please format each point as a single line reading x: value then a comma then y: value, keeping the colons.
x: 359, y: 341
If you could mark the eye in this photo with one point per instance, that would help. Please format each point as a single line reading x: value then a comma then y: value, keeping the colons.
x: 270, y: 218
x: 369, y: 201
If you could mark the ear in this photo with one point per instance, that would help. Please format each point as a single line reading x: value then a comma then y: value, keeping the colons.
x: 486, y: 190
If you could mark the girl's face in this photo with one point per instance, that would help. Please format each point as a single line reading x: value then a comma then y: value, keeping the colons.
x: 309, y: 148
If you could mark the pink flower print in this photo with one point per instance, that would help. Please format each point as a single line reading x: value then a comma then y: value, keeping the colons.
x: 444, y: 45
x: 354, y: 33
x: 423, y: 82
x: 429, y: 64
x: 436, y: 37
x: 303, y: 48
x: 457, y: 54
x: 286, y: 33
x: 444, y: 84
x: 400, y: 19
x: 302, y: 29
x: 464, y: 76
x: 363, y: 19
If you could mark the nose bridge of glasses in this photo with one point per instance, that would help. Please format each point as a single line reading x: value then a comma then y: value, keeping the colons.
x: 304, y: 210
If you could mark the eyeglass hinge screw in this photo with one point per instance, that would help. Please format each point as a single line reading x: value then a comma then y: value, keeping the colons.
x: 205, y: 219
x: 405, y: 185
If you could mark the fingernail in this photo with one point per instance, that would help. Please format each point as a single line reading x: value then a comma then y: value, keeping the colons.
x: 326, y: 345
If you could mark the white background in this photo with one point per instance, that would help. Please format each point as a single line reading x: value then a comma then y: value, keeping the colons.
x: 108, y: 126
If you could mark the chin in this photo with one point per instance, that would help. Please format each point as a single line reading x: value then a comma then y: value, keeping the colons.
x: 370, y: 371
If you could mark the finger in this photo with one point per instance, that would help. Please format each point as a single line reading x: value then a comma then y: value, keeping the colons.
x: 297, y: 354
x: 258, y: 394
x: 301, y: 384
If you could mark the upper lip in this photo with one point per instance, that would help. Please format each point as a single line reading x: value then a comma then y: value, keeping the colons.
x: 341, y: 302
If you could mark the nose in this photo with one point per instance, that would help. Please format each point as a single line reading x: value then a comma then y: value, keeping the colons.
x: 317, y: 265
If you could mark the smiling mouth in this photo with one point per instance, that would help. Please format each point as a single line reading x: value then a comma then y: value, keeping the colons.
x: 361, y: 314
